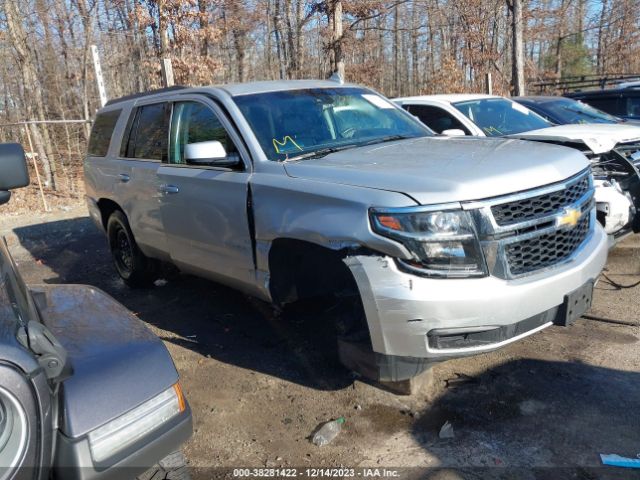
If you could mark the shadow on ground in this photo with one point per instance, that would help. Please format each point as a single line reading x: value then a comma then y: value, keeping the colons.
x: 524, y: 419
x: 537, y: 420
x: 211, y: 319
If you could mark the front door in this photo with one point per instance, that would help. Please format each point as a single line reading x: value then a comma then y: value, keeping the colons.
x: 204, y: 207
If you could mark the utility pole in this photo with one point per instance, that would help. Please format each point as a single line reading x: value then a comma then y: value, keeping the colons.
x: 517, y: 76
x: 99, y: 79
x: 165, y: 61
x: 167, y: 73
x: 488, y: 84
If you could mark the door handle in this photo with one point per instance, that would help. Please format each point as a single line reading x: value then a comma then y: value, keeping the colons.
x: 124, y: 178
x: 168, y: 189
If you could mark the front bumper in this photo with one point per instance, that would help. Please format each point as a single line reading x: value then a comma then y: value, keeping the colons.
x: 403, y: 310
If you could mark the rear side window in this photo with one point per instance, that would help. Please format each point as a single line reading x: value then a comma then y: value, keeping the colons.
x: 606, y: 104
x: 436, y: 118
x: 147, y: 133
x: 101, y: 133
x: 632, y: 107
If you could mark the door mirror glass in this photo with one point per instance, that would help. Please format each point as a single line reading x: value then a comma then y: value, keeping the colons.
x: 13, y: 169
x: 453, y: 132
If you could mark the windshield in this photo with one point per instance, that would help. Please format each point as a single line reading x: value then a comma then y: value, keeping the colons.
x: 499, y: 116
x: 571, y: 111
x: 301, y: 123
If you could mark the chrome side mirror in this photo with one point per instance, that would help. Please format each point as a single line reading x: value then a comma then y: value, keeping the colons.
x: 210, y: 153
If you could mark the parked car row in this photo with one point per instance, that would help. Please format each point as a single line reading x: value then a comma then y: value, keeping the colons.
x: 612, y: 148
x: 622, y: 101
x: 431, y: 247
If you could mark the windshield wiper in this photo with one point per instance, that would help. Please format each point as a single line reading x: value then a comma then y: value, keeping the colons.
x: 586, y: 114
x: 389, y: 138
x: 323, y: 152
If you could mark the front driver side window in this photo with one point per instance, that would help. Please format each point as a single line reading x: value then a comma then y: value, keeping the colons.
x: 194, y: 122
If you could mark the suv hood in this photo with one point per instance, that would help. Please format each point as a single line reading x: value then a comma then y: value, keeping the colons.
x: 599, y: 138
x: 445, y: 169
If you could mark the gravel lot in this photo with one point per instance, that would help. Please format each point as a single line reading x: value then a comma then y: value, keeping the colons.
x: 543, y: 408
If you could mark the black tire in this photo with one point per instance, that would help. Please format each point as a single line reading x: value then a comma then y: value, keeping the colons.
x: 171, y: 467
x: 135, y: 269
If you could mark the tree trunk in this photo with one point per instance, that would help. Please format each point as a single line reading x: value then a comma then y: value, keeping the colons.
x: 32, y: 90
x: 414, y: 88
x: 336, y: 40
x: 517, y: 76
x: 560, y: 39
x: 164, y: 29
x: 280, y: 44
x: 204, y: 26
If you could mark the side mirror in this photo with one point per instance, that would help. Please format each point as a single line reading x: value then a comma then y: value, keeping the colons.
x: 13, y: 170
x: 453, y: 132
x: 211, y: 153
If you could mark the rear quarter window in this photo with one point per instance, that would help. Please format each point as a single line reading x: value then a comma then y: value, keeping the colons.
x: 101, y: 133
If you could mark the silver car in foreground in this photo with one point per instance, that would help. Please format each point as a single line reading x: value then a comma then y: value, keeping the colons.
x: 433, y: 247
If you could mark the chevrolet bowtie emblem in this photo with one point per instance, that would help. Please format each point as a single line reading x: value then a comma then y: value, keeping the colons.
x: 569, y: 217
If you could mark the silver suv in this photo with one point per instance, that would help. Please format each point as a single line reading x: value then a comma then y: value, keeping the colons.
x: 435, y: 247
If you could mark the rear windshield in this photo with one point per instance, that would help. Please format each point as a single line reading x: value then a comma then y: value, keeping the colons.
x: 499, y: 116
x: 297, y: 122
x: 101, y: 132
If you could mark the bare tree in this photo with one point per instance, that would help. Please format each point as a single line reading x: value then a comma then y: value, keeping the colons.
x: 517, y: 49
x: 337, y: 38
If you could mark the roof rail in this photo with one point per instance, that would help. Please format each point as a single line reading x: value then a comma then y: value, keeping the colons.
x: 145, y: 94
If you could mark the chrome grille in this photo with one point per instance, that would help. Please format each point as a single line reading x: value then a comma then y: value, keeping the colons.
x: 546, y: 250
x: 526, y: 232
x: 539, y: 206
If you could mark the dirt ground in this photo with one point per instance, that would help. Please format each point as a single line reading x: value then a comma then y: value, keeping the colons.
x: 543, y: 408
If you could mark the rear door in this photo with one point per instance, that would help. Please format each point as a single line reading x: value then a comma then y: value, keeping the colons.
x: 144, y: 147
x: 204, y: 207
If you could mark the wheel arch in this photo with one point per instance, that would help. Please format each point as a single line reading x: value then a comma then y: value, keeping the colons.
x: 107, y: 207
x: 301, y: 269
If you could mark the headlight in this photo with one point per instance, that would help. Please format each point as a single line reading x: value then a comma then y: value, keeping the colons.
x: 442, y: 243
x: 125, y: 430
